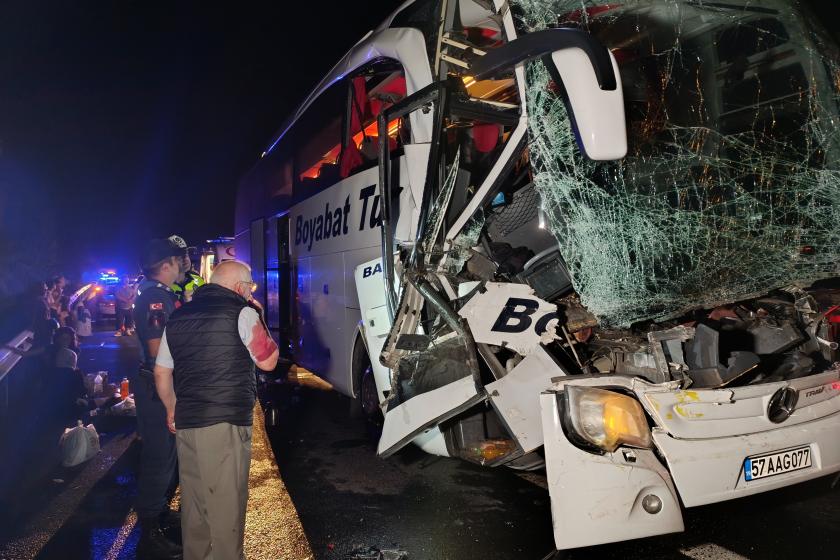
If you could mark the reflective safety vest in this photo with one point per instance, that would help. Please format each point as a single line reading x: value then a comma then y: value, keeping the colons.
x: 185, y: 290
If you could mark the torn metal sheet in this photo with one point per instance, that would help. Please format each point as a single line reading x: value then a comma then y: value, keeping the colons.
x: 516, y: 397
x: 702, y: 355
x: 434, y: 220
x: 376, y: 324
x: 510, y: 315
x: 405, y: 422
x: 670, y: 341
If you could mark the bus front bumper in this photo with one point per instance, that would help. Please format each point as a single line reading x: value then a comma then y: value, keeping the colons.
x: 633, y: 493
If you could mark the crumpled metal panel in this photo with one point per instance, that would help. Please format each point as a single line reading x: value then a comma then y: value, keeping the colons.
x: 510, y: 316
x: 516, y: 397
x: 721, y: 413
x: 731, y: 184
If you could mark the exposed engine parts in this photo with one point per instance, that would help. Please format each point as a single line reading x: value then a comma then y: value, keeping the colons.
x: 766, y: 339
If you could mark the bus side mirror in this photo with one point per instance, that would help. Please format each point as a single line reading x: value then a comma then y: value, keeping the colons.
x: 597, y: 114
x: 586, y: 74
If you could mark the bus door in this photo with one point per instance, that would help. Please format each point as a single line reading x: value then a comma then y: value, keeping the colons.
x: 431, y: 378
x: 278, y: 279
x: 257, y: 246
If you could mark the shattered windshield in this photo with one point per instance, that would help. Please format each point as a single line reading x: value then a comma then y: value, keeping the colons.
x: 731, y: 184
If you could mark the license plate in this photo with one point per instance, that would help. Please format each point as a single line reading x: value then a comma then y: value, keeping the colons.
x: 762, y: 466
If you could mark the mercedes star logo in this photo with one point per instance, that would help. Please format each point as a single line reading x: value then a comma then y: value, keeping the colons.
x: 782, y: 404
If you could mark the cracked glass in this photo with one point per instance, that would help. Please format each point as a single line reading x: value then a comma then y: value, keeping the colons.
x: 731, y: 184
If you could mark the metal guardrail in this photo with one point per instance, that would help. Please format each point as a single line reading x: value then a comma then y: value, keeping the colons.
x: 8, y: 360
x: 23, y: 342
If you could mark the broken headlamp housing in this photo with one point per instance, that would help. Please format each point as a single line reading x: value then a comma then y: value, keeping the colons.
x: 601, y: 420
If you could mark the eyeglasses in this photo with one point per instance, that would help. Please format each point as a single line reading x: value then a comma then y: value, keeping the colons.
x: 252, y: 284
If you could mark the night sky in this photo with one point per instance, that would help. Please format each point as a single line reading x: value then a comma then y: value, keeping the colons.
x: 123, y: 120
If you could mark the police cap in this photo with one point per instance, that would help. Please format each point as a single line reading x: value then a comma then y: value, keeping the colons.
x: 158, y: 250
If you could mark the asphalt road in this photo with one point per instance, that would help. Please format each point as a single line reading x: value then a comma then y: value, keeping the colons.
x: 433, y: 508
x: 416, y: 506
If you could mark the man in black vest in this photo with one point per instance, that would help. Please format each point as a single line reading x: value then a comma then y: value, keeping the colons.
x: 205, y: 377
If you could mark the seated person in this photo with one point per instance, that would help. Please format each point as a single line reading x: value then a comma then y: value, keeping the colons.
x: 60, y: 361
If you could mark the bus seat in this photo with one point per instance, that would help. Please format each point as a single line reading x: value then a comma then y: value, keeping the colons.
x: 393, y: 90
x: 376, y: 106
x: 396, y: 86
x: 329, y: 174
x: 360, y: 109
x: 485, y: 136
x: 370, y: 148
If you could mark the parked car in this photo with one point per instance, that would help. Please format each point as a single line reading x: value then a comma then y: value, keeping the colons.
x: 101, y: 302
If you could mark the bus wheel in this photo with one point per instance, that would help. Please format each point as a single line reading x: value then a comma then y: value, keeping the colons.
x: 368, y: 397
x: 366, y: 403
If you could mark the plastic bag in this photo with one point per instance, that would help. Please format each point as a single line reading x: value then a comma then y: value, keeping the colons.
x: 125, y: 407
x: 78, y: 444
x: 95, y: 387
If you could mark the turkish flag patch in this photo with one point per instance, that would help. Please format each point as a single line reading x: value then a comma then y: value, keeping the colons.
x: 156, y: 306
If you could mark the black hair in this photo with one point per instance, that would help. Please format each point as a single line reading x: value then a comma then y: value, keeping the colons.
x: 68, y: 332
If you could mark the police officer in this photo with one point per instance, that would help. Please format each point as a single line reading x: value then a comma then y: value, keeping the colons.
x: 164, y: 264
x: 184, y: 289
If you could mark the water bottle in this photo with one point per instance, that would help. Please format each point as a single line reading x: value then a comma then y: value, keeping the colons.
x: 97, y: 384
x: 124, y: 388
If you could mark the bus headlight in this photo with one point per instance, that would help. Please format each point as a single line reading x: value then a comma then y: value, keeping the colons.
x: 605, y: 419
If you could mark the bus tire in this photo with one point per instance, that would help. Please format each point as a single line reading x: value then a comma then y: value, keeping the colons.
x: 368, y: 396
x: 366, y: 403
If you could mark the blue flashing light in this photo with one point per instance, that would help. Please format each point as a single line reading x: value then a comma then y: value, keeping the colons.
x: 109, y: 277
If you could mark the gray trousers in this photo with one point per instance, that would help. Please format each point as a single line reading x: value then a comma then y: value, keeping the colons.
x: 213, y: 464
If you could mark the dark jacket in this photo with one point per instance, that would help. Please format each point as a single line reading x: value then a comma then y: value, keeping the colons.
x: 214, y: 373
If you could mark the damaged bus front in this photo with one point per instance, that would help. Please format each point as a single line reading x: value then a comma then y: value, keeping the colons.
x: 599, y: 238
x: 624, y: 259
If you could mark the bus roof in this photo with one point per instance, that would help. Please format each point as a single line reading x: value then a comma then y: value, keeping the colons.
x: 337, y: 72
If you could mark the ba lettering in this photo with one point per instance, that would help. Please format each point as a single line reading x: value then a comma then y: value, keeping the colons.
x: 370, y: 271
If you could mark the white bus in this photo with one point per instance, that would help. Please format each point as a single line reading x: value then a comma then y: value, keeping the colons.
x: 597, y: 240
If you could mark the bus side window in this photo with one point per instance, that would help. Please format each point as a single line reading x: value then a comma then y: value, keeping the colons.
x: 316, y: 157
x: 371, y: 91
